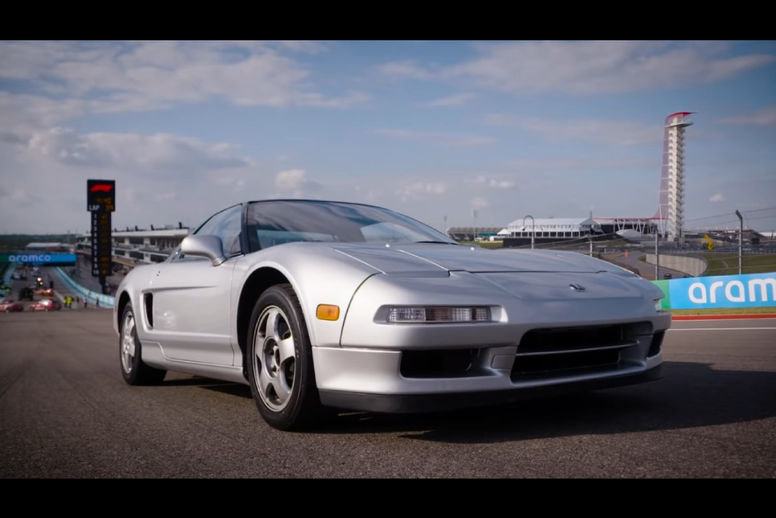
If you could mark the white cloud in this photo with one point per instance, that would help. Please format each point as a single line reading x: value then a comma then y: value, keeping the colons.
x: 494, y: 183
x: 600, y: 67
x: 419, y: 191
x: 716, y: 198
x: 344, y: 101
x: 308, y: 47
x: 592, y: 130
x: 588, y: 67
x: 408, y: 69
x: 763, y: 117
x: 20, y: 114
x: 290, y: 180
x: 159, y: 153
x: 366, y: 194
x: 107, y: 76
x: 294, y: 182
x: 236, y: 183
x: 543, y: 165
x: 66, y: 146
x: 439, y: 139
x: 44, y: 181
x: 160, y: 178
x: 21, y: 197
x: 453, y: 100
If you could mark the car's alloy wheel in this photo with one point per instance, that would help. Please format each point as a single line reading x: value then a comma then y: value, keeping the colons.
x: 134, y: 371
x: 275, y: 359
x: 128, y: 343
x: 279, y: 356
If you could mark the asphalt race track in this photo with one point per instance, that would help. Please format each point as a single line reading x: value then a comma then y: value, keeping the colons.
x: 65, y: 412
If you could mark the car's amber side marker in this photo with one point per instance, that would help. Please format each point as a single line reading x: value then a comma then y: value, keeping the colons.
x: 327, y: 312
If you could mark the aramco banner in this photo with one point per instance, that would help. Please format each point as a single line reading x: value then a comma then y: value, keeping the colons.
x: 44, y: 258
x: 721, y: 291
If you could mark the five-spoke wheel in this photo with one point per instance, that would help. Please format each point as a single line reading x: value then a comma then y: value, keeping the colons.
x: 133, y: 369
x: 275, y: 358
x: 279, y: 360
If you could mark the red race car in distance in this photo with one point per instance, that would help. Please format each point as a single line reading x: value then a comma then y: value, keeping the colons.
x: 45, y: 305
x: 8, y: 305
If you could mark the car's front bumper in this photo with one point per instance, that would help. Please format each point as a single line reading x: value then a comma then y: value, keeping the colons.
x: 542, y: 337
x: 376, y: 379
x: 415, y: 403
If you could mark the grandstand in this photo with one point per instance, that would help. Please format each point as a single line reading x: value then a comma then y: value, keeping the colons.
x: 139, y: 246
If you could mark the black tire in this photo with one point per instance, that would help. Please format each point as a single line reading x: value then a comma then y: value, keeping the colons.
x: 282, y: 379
x: 133, y: 370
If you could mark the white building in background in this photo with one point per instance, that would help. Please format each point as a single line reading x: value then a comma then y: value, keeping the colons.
x: 550, y: 228
x: 671, y: 206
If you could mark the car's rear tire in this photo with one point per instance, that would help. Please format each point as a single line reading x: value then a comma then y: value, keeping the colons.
x: 134, y: 371
x: 280, y: 363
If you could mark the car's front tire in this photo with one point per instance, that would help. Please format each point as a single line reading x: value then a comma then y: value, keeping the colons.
x: 134, y: 371
x: 280, y: 364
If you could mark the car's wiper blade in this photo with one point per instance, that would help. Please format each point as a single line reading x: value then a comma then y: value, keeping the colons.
x: 437, y: 242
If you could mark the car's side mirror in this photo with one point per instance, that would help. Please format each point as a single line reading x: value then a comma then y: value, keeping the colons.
x: 204, y: 246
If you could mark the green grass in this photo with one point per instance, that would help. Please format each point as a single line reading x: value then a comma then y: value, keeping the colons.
x: 727, y: 263
x: 483, y: 244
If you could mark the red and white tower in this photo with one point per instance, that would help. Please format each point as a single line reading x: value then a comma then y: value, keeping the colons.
x: 671, y: 208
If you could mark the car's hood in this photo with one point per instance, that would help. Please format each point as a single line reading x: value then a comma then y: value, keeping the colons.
x: 420, y: 258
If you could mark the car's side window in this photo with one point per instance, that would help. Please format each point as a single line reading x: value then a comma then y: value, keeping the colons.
x: 226, y: 225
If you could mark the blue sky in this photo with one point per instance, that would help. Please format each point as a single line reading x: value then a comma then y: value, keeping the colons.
x: 436, y: 130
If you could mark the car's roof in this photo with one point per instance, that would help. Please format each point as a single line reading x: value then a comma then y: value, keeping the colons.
x: 317, y: 201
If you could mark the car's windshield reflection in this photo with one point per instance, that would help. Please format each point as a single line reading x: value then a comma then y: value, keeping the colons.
x: 273, y: 223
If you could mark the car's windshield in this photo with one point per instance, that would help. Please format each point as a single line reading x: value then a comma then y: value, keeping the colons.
x: 273, y: 223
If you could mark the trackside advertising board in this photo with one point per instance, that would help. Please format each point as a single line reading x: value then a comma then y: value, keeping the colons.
x: 721, y: 291
x: 44, y: 258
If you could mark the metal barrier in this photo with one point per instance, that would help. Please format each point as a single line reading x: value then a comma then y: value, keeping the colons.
x: 105, y: 300
x: 8, y: 274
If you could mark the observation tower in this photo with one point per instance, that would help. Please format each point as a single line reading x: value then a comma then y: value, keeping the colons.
x: 670, y: 210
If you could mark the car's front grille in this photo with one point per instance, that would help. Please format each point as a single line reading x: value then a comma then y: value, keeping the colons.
x: 569, y: 351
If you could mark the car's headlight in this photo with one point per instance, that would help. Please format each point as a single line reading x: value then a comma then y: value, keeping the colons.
x: 438, y: 314
x: 658, y: 305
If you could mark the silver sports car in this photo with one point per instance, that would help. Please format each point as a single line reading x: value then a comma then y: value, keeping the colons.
x: 319, y: 304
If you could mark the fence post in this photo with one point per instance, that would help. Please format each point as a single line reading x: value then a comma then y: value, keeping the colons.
x: 740, y: 242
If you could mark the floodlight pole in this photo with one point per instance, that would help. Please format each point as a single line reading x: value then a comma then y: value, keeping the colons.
x: 657, y: 258
x: 740, y: 242
x: 533, y: 228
